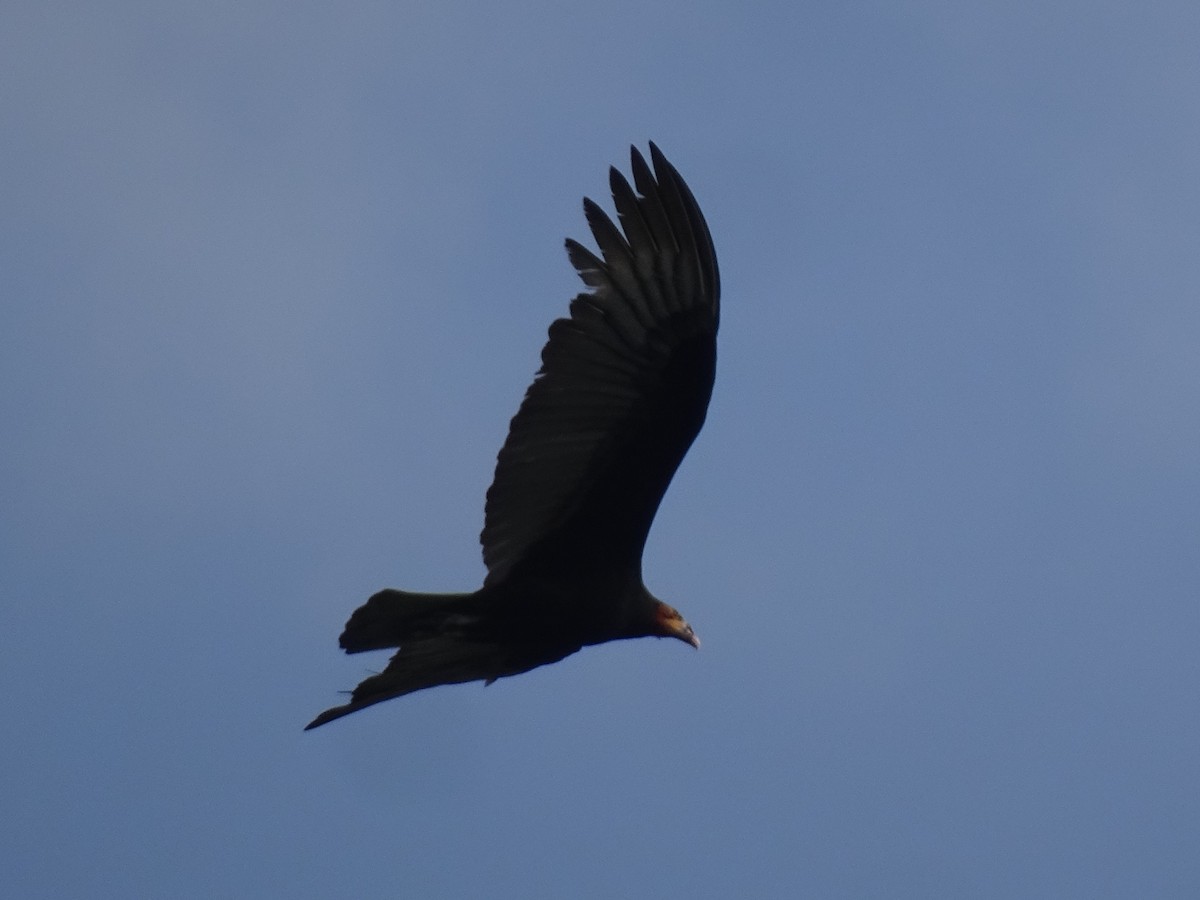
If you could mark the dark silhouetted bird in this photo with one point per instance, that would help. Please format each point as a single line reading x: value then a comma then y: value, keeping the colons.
x: 621, y: 394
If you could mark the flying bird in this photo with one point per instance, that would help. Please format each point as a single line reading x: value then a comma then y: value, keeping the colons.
x: 621, y: 394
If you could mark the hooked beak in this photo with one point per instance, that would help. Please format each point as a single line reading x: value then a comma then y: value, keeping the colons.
x: 669, y: 623
x: 684, y: 632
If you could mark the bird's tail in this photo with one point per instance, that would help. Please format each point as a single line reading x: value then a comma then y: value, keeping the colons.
x: 437, y: 646
x: 392, y: 617
x: 419, y: 664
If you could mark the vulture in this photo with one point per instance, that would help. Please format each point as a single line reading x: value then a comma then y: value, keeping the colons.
x: 621, y: 394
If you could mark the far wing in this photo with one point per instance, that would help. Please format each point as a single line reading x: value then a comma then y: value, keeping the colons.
x: 623, y: 388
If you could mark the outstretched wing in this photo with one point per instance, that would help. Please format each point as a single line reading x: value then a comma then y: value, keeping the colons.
x: 623, y: 388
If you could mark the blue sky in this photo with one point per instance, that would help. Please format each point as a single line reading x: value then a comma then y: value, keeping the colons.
x: 274, y: 279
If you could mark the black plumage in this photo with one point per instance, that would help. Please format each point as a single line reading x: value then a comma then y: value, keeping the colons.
x: 621, y: 394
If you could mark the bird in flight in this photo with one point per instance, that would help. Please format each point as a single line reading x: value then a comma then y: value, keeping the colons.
x: 621, y: 394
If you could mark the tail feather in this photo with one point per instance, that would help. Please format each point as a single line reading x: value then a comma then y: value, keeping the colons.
x: 443, y: 639
x: 422, y: 663
x: 393, y: 617
x: 439, y: 640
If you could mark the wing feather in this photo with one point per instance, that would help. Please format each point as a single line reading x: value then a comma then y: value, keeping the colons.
x: 623, y: 387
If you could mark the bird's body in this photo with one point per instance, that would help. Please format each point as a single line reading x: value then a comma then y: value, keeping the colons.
x: 622, y: 392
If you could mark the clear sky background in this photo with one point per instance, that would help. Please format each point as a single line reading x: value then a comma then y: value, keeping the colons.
x: 274, y: 278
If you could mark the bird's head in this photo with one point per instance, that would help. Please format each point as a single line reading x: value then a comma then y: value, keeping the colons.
x: 669, y: 623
